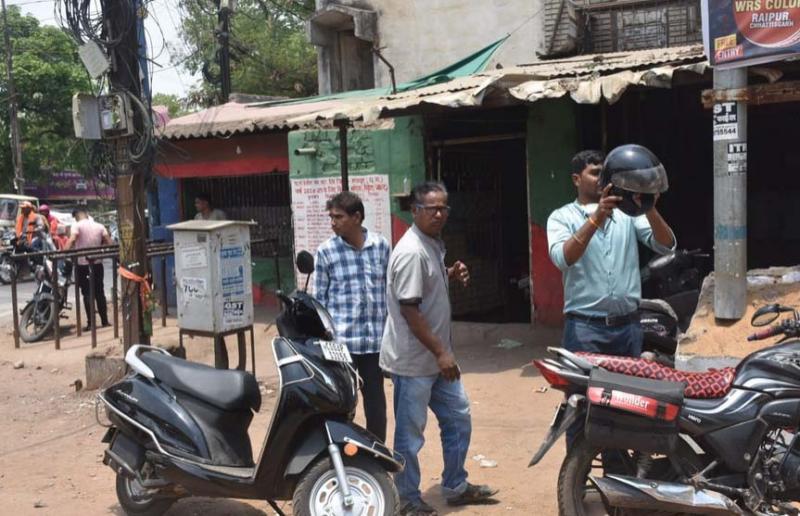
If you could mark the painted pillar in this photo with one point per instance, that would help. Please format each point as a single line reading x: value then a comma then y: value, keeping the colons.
x: 397, y: 152
x: 552, y: 140
x: 730, y: 198
x: 168, y: 213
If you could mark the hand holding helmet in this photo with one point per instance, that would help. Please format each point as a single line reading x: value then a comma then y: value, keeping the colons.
x: 635, y: 176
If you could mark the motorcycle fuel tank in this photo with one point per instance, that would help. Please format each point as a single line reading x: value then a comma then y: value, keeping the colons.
x: 774, y: 370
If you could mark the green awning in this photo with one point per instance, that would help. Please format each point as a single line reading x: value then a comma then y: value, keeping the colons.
x: 472, y: 64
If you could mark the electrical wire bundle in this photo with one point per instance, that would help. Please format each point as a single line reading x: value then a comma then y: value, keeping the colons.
x: 86, y: 21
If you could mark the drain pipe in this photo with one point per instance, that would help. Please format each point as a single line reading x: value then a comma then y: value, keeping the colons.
x: 377, y: 52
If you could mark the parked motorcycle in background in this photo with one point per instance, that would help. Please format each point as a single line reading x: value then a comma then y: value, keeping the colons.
x: 38, y: 317
x: 670, y: 292
x: 661, y: 441
x: 181, y: 429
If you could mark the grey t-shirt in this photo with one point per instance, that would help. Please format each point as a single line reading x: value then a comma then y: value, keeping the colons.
x: 215, y: 214
x: 416, y: 274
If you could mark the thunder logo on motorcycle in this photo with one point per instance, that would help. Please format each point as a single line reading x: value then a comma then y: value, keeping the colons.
x: 630, y: 403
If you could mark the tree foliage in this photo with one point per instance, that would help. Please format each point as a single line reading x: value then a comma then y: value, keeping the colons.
x: 269, y: 51
x: 175, y: 106
x: 47, y: 72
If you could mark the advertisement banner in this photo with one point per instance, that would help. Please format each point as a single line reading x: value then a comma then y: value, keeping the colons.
x: 747, y: 32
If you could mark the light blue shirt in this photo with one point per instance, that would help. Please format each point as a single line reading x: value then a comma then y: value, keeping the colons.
x: 605, y: 280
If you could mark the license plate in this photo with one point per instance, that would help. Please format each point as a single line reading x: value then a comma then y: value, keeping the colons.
x: 335, y: 351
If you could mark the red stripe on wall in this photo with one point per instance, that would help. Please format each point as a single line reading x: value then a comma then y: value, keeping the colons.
x: 239, y: 155
x: 547, y: 291
x: 232, y: 167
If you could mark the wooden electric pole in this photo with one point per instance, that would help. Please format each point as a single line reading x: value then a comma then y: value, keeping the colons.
x: 16, y: 144
x: 125, y: 80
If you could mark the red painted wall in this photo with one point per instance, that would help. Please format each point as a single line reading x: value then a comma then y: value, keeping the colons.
x: 214, y: 157
x: 548, y: 292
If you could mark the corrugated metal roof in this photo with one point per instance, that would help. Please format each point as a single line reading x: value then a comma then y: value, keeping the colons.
x: 586, y: 78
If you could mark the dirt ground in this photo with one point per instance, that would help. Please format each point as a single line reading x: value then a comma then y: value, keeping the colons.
x: 710, y: 337
x: 51, y: 454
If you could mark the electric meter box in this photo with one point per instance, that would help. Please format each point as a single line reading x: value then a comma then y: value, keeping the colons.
x: 213, y: 275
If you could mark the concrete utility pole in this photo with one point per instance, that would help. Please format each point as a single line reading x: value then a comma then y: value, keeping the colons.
x: 730, y: 195
x: 16, y: 144
x: 124, y: 76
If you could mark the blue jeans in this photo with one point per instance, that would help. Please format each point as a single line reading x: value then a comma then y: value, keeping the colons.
x: 448, y: 401
x: 623, y: 340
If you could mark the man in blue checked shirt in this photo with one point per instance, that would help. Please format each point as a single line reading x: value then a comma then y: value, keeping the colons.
x: 350, y: 281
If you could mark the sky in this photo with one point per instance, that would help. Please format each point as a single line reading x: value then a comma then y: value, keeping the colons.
x: 161, y: 25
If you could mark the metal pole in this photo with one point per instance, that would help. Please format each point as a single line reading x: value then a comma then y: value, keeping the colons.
x: 92, y: 302
x: 223, y: 36
x: 16, y: 144
x: 114, y: 295
x: 55, y: 307
x: 730, y: 198
x: 277, y: 270
x: 342, y: 124
x: 77, y: 296
x: 164, y: 291
x: 14, y: 307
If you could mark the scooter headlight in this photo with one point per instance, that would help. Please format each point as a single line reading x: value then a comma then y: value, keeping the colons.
x: 41, y: 273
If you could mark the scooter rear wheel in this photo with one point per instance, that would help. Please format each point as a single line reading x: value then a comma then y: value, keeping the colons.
x: 318, y: 492
x: 135, y: 499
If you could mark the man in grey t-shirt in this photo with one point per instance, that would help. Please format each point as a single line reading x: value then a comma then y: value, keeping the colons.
x: 417, y: 352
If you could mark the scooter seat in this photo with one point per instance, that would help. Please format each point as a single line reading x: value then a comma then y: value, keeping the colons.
x: 227, y: 390
x: 711, y: 384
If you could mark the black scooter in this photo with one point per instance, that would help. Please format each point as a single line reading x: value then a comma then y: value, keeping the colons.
x: 180, y: 428
x: 670, y: 291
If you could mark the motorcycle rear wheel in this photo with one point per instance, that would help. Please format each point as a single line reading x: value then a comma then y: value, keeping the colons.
x: 36, y: 320
x: 577, y: 496
x: 133, y: 498
x: 373, y: 491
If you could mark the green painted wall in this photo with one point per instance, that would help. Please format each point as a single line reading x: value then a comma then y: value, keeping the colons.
x: 551, y: 142
x: 398, y: 152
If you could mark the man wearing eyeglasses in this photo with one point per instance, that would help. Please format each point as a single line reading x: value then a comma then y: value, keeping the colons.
x: 417, y: 351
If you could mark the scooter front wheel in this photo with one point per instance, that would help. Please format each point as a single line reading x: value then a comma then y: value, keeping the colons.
x: 318, y: 493
x: 136, y: 500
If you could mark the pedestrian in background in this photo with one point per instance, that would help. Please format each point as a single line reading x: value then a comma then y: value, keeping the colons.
x: 350, y: 281
x: 205, y: 208
x: 417, y: 350
x: 86, y: 233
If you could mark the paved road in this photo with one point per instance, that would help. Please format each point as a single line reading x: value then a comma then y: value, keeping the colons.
x: 26, y: 289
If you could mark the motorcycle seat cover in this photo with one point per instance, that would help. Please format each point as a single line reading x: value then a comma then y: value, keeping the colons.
x: 227, y: 390
x: 712, y: 384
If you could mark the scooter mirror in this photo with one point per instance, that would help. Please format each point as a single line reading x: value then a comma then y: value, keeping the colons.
x: 305, y: 262
x: 765, y: 315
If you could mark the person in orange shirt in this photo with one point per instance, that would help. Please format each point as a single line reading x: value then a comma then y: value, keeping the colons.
x: 52, y: 222
x: 28, y: 224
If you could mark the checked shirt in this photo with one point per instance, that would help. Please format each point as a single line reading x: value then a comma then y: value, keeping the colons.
x: 351, y: 284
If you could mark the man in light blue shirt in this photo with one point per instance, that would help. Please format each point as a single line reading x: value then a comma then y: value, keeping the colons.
x: 595, y: 247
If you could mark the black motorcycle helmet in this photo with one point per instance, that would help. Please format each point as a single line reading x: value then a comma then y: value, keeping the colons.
x: 634, y: 170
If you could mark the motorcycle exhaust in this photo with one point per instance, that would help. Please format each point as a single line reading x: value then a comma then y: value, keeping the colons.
x: 636, y: 493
